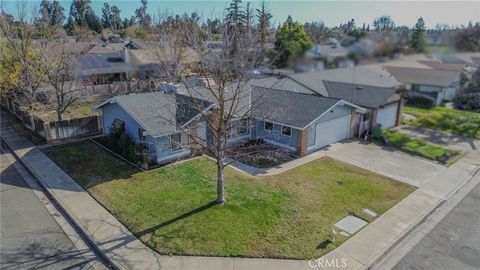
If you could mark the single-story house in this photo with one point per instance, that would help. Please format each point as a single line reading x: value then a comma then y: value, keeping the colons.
x: 377, y: 92
x: 301, y: 122
x: 165, y: 122
x: 159, y: 121
x: 436, y: 85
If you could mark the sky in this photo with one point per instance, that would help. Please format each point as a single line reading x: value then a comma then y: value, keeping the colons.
x: 330, y: 12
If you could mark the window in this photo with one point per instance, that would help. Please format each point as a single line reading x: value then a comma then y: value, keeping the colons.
x: 287, y: 131
x: 176, y: 140
x: 118, y: 124
x: 242, y: 128
x: 268, y: 126
x: 141, y: 135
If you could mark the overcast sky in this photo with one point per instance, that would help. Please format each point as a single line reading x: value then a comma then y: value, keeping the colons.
x: 330, y: 12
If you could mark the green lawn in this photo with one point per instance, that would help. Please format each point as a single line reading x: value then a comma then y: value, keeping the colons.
x: 449, y: 120
x: 418, y: 147
x: 283, y: 216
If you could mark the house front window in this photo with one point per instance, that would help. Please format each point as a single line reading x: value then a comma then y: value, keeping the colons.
x: 176, y: 140
x: 118, y: 124
x: 242, y: 127
x: 287, y: 131
x: 268, y: 126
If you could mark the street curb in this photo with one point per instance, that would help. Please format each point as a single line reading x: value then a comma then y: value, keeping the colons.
x: 71, y: 218
x: 407, y: 233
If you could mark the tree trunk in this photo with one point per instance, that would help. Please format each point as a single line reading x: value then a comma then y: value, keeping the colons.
x: 220, y: 184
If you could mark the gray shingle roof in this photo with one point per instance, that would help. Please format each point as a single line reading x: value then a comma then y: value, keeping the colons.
x: 362, y: 95
x: 355, y: 75
x: 289, y: 108
x: 283, y: 83
x: 160, y: 112
x: 423, y: 76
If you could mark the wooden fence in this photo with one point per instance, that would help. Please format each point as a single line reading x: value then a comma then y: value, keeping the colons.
x: 55, y: 130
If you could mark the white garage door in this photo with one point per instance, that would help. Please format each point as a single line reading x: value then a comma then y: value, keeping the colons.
x: 332, y: 131
x: 387, y: 116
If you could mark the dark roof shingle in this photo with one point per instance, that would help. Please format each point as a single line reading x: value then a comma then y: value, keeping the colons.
x: 289, y: 108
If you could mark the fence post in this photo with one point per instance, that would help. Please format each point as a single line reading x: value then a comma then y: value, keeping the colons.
x: 48, y: 132
x: 100, y: 124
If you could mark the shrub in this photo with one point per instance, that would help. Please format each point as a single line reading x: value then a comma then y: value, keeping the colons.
x: 119, y: 142
x: 420, y: 102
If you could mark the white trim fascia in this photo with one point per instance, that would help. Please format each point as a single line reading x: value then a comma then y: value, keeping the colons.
x: 200, y: 113
x: 276, y: 123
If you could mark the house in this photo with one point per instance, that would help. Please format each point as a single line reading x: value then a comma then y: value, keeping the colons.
x: 165, y: 122
x: 300, y: 122
x: 159, y: 121
x: 377, y: 92
x: 433, y: 84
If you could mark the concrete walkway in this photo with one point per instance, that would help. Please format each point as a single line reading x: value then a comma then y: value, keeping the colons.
x: 125, y: 251
x: 384, y: 161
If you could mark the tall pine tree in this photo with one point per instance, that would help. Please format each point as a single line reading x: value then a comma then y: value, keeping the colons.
x: 418, y: 36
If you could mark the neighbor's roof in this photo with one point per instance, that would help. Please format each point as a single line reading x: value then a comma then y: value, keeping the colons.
x: 443, y: 66
x: 283, y: 83
x: 159, y: 113
x: 289, y: 108
x: 423, y: 76
x: 362, y: 75
x: 362, y: 95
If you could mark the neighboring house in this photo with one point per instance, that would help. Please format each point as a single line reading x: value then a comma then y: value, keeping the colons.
x: 323, y: 56
x: 378, y: 92
x: 159, y: 121
x: 106, y: 63
x: 436, y: 85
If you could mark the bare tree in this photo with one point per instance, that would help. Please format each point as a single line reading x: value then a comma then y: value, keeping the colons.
x: 222, y: 80
x: 57, y: 63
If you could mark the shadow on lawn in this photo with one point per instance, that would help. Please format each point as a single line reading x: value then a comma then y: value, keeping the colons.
x: 173, y: 220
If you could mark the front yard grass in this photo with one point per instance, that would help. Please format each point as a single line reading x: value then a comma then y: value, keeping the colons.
x: 418, y: 147
x: 171, y: 209
x: 449, y: 120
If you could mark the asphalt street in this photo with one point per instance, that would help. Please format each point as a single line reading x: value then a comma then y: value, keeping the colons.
x: 30, y: 237
x: 453, y: 244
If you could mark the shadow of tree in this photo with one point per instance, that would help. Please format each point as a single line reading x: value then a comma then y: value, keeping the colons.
x: 324, y: 244
x: 178, y: 218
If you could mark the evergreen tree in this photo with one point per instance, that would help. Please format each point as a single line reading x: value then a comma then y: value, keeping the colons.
x: 44, y: 12
x: 115, y: 19
x: 418, y: 36
x: 291, y: 41
x: 106, y: 16
x: 144, y: 19
x: 236, y: 17
x: 57, y: 15
x: 70, y: 26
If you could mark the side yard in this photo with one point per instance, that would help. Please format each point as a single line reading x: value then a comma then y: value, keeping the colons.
x: 172, y: 209
x: 449, y: 120
x: 419, y: 147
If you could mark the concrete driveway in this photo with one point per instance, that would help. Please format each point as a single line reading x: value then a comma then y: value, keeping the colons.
x: 385, y: 161
x: 452, y: 141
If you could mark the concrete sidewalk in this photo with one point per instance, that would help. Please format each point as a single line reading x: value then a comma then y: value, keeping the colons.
x: 125, y: 251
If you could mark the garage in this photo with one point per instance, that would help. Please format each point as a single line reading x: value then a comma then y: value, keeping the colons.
x: 332, y: 131
x: 387, y: 116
